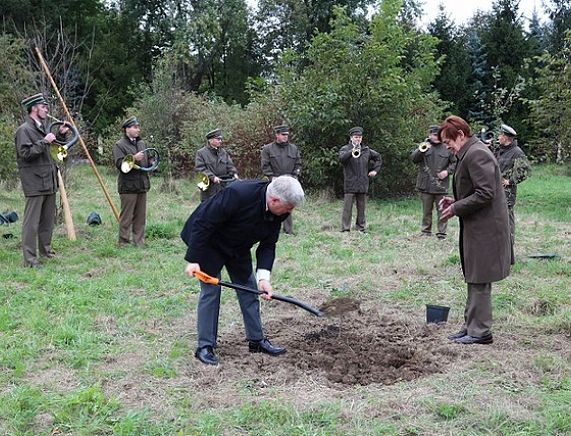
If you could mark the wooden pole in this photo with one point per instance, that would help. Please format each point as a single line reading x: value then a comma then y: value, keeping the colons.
x: 70, y: 119
x: 66, y: 210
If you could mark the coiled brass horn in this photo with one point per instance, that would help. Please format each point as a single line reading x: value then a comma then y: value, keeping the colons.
x: 59, y: 148
x: 486, y: 136
x: 203, y: 181
x: 424, y: 146
x: 152, y: 156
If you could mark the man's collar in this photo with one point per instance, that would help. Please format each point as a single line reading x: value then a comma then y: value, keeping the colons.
x: 38, y: 123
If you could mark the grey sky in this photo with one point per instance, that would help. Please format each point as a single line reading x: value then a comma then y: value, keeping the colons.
x: 462, y: 10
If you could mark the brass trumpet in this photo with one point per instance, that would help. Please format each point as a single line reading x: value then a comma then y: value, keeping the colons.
x: 356, y: 152
x: 202, y: 181
x: 424, y: 146
x: 129, y: 161
x: 59, y: 148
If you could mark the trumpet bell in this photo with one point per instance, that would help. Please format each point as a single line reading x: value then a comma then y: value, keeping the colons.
x: 58, y: 152
x: 423, y: 147
x: 153, y: 158
x: 128, y: 163
x: 59, y: 148
x: 202, y: 181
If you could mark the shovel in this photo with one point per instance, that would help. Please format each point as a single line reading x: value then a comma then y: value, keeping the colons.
x: 205, y: 278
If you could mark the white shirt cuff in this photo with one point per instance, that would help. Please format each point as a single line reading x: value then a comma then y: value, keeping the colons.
x: 262, y: 274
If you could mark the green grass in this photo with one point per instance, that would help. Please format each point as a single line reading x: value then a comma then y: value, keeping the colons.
x: 101, y: 340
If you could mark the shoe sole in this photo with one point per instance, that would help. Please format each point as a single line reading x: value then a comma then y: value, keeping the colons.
x: 456, y: 336
x: 265, y: 352
x: 486, y: 342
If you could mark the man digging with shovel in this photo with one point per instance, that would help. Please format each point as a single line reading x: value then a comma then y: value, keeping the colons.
x: 220, y: 233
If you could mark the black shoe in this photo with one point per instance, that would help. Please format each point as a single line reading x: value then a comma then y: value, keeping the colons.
x: 264, y: 346
x: 458, y: 335
x: 488, y: 339
x: 206, y: 355
x: 344, y: 230
x: 441, y: 237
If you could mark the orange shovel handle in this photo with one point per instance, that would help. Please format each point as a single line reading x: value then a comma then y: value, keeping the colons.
x: 205, y: 278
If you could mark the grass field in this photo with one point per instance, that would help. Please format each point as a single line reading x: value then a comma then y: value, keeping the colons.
x: 101, y: 340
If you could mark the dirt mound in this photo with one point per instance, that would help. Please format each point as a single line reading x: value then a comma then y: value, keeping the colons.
x: 340, y: 306
x: 350, y: 346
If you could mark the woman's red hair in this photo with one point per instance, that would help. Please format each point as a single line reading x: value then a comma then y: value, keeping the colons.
x: 452, y: 126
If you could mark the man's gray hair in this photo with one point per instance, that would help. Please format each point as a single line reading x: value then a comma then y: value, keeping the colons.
x: 287, y: 189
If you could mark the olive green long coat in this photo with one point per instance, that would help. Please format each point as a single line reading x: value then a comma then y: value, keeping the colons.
x: 485, y: 244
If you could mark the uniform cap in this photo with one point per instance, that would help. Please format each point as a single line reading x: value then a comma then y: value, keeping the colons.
x: 93, y: 219
x: 131, y: 121
x: 356, y: 131
x: 507, y: 130
x: 283, y: 128
x: 33, y: 100
x: 216, y: 133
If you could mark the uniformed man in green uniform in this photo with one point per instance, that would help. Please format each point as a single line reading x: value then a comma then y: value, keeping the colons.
x: 281, y: 158
x: 436, y: 163
x: 132, y: 186
x: 38, y: 174
x: 216, y: 163
x: 360, y: 163
x: 515, y: 168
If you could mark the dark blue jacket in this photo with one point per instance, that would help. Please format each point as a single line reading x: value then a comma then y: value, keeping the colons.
x: 222, y: 230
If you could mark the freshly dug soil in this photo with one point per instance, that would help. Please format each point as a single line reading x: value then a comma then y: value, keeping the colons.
x: 348, y: 346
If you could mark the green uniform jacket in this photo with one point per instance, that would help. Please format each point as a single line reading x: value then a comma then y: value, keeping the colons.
x: 281, y: 159
x: 135, y: 181
x: 437, y: 158
x: 356, y: 170
x: 515, y: 167
x: 38, y: 172
x: 485, y: 242
x: 214, y: 162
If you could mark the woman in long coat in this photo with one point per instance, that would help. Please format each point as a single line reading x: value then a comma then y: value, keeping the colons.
x: 485, y: 245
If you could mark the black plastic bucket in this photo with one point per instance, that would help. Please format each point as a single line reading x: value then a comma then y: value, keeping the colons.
x: 436, y: 313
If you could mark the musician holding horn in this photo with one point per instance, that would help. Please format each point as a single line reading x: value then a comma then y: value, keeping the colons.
x: 435, y: 164
x: 281, y: 158
x: 38, y: 174
x: 515, y: 169
x: 215, y: 163
x: 360, y: 163
x: 130, y: 158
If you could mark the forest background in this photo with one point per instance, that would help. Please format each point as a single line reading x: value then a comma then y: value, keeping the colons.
x: 185, y: 67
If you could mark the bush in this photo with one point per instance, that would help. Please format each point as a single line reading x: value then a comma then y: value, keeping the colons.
x: 380, y: 81
x: 8, y: 166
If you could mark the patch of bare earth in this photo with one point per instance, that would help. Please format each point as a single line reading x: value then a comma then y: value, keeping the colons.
x: 348, y: 347
x: 58, y: 378
x: 357, y: 345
